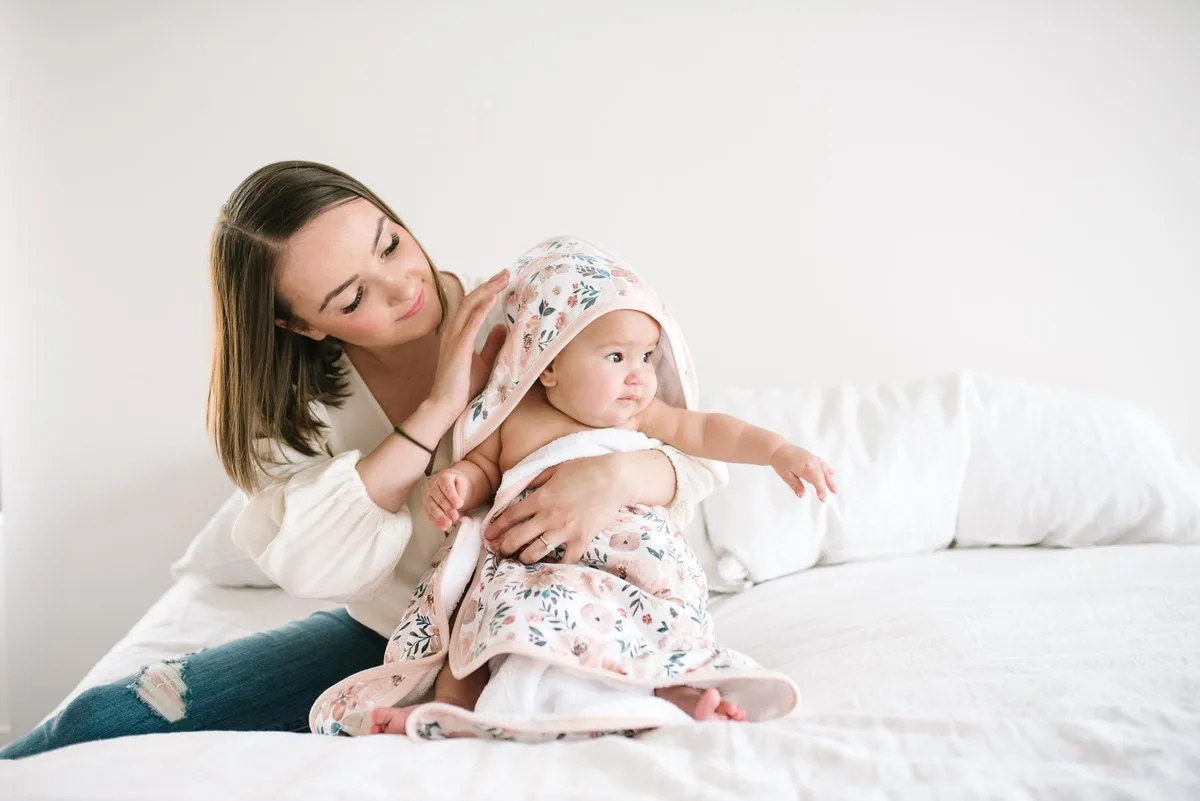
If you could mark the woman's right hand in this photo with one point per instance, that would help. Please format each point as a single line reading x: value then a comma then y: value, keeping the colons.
x: 452, y: 384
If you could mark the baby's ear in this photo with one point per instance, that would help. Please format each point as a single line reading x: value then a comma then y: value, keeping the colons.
x: 548, y: 378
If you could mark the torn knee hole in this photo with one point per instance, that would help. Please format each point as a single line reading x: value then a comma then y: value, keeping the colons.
x: 161, y: 687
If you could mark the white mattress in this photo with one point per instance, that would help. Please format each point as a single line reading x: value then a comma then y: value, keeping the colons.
x: 991, y: 674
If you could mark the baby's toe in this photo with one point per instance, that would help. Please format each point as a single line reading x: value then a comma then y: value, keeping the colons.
x: 730, y: 711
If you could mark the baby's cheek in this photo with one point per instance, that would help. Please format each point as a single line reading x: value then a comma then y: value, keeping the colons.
x: 597, y: 393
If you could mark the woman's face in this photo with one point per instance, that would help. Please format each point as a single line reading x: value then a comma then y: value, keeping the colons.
x: 355, y: 275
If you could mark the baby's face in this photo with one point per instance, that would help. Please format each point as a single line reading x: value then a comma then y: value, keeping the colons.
x: 604, y: 376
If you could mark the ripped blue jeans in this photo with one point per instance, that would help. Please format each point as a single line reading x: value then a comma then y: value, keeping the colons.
x: 264, y: 682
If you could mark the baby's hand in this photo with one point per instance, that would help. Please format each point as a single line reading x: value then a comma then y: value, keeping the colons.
x: 444, y: 496
x: 796, y: 465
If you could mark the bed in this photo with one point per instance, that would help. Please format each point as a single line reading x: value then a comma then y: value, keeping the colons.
x: 971, y: 663
x: 999, y: 673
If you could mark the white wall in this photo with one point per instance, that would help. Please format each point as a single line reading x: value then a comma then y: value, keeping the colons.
x: 8, y: 81
x: 825, y: 191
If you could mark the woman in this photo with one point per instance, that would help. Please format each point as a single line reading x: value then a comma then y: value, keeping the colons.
x: 342, y: 358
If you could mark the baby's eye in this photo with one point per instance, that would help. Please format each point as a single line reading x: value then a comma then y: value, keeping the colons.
x: 646, y: 356
x: 615, y: 358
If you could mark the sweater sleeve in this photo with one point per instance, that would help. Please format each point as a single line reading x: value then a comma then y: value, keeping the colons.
x: 695, y: 480
x: 314, y: 530
x: 312, y: 527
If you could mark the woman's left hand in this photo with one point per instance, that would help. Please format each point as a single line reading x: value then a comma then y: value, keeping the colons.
x: 573, y: 502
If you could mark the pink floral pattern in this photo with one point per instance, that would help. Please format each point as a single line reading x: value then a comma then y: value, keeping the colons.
x: 634, y: 606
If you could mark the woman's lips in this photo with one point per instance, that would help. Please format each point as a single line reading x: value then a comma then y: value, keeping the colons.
x: 417, y: 305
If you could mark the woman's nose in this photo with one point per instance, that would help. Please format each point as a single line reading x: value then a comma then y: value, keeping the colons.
x: 401, y: 288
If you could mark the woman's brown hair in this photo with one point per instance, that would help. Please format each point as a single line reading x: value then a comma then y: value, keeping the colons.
x: 265, y: 378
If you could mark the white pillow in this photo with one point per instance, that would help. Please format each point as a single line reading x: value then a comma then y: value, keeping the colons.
x: 213, y: 556
x: 976, y: 461
x: 900, y: 454
x: 1067, y: 469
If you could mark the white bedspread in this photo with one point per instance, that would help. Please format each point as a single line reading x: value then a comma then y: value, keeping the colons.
x: 985, y: 674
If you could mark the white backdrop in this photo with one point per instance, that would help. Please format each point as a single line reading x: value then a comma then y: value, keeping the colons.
x: 824, y: 191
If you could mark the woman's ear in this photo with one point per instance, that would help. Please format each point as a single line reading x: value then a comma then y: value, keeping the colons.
x: 299, y: 327
x: 548, y: 378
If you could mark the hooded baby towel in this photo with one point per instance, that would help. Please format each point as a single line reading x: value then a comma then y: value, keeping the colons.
x: 630, y: 617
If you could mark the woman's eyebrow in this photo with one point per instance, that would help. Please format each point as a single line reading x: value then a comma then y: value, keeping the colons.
x: 336, y: 292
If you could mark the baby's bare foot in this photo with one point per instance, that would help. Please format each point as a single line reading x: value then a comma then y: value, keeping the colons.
x: 390, y: 720
x: 702, y: 704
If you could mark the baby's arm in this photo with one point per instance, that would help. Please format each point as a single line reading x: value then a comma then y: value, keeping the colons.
x: 464, y: 484
x: 728, y: 439
x: 709, y: 435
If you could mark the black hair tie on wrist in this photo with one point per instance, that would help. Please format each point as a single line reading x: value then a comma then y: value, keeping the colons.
x: 430, y: 451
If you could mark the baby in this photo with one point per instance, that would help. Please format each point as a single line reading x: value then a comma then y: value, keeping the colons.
x: 603, y: 378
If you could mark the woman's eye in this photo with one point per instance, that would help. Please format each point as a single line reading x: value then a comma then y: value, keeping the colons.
x: 615, y: 358
x: 358, y: 296
x: 391, y: 248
